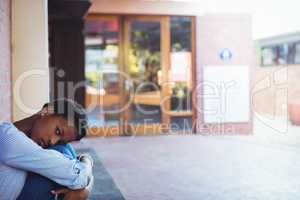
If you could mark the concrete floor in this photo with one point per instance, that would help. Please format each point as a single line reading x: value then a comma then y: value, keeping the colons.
x: 262, y: 166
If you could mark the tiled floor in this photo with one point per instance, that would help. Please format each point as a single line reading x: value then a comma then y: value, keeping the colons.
x: 263, y: 166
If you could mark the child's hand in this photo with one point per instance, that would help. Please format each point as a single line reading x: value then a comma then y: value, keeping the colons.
x: 81, y: 194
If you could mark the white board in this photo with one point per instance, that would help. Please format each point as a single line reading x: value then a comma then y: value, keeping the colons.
x: 226, y: 94
x: 181, y: 63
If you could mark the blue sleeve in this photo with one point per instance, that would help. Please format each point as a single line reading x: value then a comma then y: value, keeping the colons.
x: 19, y: 151
x: 65, y: 149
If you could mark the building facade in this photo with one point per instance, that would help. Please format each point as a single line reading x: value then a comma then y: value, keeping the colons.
x: 197, y: 66
x: 277, y: 74
x: 220, y: 49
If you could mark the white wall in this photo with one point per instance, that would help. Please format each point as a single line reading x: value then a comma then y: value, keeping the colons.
x: 30, y: 77
x: 5, y: 61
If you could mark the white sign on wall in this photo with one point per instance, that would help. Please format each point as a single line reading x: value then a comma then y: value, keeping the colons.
x: 181, y: 63
x: 226, y: 94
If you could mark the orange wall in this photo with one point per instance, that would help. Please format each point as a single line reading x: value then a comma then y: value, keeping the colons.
x: 145, y: 7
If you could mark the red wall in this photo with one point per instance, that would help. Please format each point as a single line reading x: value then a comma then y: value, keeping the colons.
x: 5, y: 61
x: 214, y: 33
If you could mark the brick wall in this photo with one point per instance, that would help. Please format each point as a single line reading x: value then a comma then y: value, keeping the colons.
x: 215, y: 33
x: 273, y: 88
x: 5, y: 61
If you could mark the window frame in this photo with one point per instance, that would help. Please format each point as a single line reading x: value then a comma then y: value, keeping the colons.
x: 278, y: 46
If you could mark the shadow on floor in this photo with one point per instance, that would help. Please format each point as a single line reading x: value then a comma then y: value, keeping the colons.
x: 104, y: 186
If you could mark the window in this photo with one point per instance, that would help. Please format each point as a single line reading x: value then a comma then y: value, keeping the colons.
x: 181, y: 63
x: 181, y: 77
x: 297, y: 53
x: 275, y: 55
x: 281, y: 54
x: 101, y: 71
x: 268, y: 56
x: 181, y: 34
x: 291, y: 53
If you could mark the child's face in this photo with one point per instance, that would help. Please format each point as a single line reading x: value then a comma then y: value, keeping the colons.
x: 51, y: 130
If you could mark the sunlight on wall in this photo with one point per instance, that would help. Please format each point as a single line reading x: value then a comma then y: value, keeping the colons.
x: 30, y: 56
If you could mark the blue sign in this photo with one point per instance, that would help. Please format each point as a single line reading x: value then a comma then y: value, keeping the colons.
x: 225, y: 54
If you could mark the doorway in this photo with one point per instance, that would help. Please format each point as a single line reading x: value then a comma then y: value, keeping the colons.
x: 139, y: 74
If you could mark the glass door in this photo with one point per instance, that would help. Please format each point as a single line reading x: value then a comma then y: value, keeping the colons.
x: 102, y: 74
x: 146, y: 57
x: 181, y: 73
x: 140, y: 74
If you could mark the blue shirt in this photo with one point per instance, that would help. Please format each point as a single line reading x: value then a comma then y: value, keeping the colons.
x: 19, y: 154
